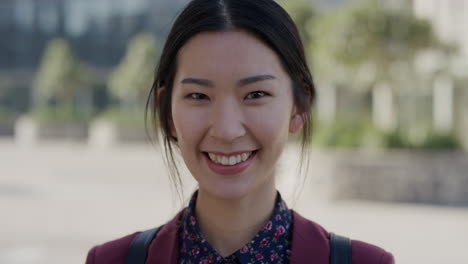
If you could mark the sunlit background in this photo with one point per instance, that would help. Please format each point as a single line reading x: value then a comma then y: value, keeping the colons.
x: 388, y: 164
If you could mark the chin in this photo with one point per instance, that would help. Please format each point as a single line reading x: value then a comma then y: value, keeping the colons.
x: 227, y: 191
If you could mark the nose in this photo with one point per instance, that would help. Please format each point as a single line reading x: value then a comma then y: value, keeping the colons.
x: 227, y: 122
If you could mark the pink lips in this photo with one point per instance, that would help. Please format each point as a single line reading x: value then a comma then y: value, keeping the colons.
x: 230, y: 169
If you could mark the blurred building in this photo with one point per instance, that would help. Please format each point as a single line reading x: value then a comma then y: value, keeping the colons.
x: 449, y: 18
x: 98, y: 30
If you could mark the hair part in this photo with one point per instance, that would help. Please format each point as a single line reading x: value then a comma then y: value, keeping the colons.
x: 266, y: 20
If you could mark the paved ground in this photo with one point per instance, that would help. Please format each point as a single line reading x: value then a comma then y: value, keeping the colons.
x: 58, y: 200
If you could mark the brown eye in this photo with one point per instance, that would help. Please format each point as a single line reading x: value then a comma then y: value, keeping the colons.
x: 197, y: 96
x: 256, y: 95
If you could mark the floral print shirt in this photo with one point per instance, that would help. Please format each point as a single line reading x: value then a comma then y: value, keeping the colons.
x: 272, y: 244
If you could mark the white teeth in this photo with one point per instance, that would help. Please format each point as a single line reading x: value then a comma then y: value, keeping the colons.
x: 225, y: 161
x: 231, y: 160
x: 212, y: 156
x: 244, y: 156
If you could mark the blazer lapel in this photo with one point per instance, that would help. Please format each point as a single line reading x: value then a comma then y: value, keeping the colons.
x: 165, y: 249
x: 309, y: 242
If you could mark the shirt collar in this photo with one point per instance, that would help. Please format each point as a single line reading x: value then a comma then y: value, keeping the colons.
x: 271, y: 243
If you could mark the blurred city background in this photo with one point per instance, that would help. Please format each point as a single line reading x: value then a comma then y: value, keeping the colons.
x: 388, y: 163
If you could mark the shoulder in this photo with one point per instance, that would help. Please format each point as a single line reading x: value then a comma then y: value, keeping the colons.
x: 310, y: 233
x: 363, y: 252
x: 114, y: 251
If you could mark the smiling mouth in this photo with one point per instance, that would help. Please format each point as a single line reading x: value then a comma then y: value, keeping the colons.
x: 229, y: 160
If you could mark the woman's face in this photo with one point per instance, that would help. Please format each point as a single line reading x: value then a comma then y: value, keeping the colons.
x: 232, y: 109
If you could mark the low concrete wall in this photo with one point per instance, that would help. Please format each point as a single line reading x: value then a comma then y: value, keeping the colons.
x: 28, y: 131
x: 7, y: 128
x: 401, y: 176
x: 105, y: 133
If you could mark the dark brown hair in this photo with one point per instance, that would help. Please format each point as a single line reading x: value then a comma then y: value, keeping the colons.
x: 266, y: 20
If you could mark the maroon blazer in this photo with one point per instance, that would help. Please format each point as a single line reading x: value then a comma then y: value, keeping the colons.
x: 310, y: 242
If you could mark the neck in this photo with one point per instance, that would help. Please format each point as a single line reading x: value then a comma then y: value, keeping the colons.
x: 230, y: 224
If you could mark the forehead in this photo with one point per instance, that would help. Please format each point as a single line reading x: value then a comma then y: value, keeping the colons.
x: 227, y: 54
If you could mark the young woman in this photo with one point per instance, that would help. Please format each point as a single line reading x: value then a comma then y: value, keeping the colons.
x: 231, y: 84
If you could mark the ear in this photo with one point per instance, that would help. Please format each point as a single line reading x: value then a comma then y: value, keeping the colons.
x: 159, y: 95
x: 296, y: 123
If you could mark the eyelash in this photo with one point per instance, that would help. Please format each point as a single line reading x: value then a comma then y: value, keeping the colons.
x: 189, y: 96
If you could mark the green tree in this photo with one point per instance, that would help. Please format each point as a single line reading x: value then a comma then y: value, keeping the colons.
x: 131, y: 80
x: 372, y: 48
x: 303, y: 14
x: 366, y: 42
x: 61, y: 76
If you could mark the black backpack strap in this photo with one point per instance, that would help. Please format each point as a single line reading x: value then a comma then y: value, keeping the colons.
x: 340, y: 248
x: 138, y: 250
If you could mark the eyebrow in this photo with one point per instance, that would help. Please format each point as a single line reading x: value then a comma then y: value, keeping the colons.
x: 241, y: 82
x: 202, y: 82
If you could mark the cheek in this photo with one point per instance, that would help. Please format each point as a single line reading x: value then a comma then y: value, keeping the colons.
x: 188, y: 124
x: 270, y: 124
